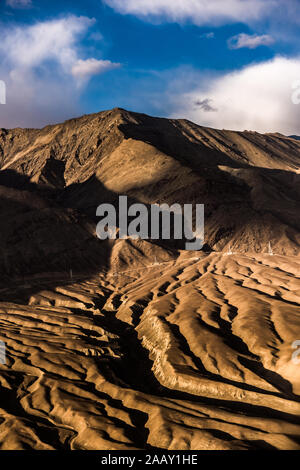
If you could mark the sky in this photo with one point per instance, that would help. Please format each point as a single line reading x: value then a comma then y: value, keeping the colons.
x: 231, y: 64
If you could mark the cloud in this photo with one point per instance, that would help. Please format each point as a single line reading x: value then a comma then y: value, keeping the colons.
x: 19, y: 3
x: 250, y: 41
x: 84, y: 69
x: 199, y: 12
x: 97, y: 36
x: 260, y: 97
x: 43, y: 71
x: 210, y: 35
x: 30, y: 46
x: 205, y: 105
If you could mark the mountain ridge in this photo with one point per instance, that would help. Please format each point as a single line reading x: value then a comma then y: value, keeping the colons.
x: 249, y: 182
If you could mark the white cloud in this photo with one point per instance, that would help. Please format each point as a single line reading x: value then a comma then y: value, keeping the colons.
x: 30, y: 46
x: 42, y: 69
x: 86, y: 68
x: 251, y: 41
x: 210, y: 35
x: 258, y: 97
x: 199, y: 12
x: 19, y: 3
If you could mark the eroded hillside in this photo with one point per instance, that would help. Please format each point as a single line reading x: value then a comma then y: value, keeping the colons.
x: 137, y: 344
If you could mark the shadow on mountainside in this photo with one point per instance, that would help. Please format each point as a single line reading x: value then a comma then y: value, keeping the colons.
x: 48, y: 228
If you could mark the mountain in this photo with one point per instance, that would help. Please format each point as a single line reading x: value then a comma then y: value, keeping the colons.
x: 248, y: 182
x: 140, y: 344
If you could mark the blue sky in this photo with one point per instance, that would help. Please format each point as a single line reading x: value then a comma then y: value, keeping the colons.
x: 233, y: 64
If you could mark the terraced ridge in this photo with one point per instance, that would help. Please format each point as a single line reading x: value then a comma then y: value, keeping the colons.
x: 193, y: 353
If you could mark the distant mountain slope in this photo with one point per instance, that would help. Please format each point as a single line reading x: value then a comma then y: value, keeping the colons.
x: 84, y: 142
x: 249, y: 182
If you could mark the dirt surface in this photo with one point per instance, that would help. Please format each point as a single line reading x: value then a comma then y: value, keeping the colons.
x: 133, y: 344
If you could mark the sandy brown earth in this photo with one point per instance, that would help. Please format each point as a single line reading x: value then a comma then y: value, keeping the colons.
x: 135, y: 345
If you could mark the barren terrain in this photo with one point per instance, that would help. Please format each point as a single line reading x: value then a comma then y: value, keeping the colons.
x: 131, y: 344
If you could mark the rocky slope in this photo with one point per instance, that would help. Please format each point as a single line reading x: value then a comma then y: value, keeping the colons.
x: 137, y: 344
x: 248, y: 182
